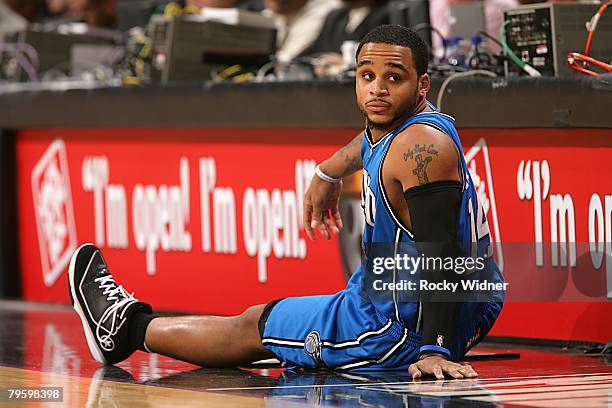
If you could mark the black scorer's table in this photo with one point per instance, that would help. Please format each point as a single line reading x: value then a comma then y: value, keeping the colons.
x: 477, y: 102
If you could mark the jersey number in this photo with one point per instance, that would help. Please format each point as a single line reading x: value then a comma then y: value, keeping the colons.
x: 479, y: 226
x: 367, y: 200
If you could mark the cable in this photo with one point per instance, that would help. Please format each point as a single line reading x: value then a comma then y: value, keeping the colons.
x: 425, y: 26
x: 460, y: 75
x: 174, y: 9
x: 490, y: 37
x: 580, y: 62
x: 507, y: 49
x: 25, y: 65
x: 524, y: 66
x: 26, y: 56
x: 31, y: 52
x: 573, y: 59
x: 261, y: 73
x: 591, y: 26
x: 478, y: 54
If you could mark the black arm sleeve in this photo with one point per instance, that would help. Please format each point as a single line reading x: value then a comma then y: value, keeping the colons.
x: 434, y: 210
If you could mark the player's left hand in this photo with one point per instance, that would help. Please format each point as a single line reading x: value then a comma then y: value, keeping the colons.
x: 438, y: 366
x: 321, y: 203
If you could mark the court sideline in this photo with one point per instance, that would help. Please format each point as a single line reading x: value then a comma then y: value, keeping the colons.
x: 42, y: 345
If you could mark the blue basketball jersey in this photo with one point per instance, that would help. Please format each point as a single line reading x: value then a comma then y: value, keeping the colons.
x: 382, y: 223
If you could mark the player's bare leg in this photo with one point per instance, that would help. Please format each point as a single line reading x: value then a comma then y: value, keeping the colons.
x: 208, y: 340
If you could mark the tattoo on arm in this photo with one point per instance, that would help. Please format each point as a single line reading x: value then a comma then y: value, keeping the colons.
x: 421, y: 155
x: 350, y: 154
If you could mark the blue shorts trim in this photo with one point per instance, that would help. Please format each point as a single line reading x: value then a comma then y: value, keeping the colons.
x: 336, y: 346
x: 347, y: 332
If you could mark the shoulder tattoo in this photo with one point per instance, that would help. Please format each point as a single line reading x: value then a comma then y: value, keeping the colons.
x: 420, y: 155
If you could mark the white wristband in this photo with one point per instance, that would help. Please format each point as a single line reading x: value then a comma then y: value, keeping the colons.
x: 325, y: 177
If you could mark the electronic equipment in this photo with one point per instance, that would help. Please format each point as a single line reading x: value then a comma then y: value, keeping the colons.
x: 190, y: 48
x: 54, y: 49
x: 543, y: 34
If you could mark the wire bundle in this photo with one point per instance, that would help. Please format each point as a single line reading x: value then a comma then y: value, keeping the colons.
x: 580, y: 62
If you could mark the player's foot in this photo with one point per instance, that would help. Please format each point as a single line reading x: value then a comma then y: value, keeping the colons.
x: 103, y: 306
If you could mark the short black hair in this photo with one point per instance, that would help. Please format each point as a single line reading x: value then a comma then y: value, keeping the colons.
x: 404, y: 37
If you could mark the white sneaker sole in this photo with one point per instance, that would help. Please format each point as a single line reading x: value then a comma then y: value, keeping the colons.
x: 91, y: 339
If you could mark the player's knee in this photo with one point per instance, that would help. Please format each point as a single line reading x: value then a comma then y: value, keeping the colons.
x: 249, y: 323
x: 249, y: 319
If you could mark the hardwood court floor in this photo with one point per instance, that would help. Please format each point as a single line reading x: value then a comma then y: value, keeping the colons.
x: 43, y: 345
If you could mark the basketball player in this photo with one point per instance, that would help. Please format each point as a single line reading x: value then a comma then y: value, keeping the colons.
x: 417, y: 188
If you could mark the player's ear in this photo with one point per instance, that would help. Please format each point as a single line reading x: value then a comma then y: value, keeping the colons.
x: 424, y: 84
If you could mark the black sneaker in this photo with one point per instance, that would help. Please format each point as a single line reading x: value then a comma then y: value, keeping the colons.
x: 104, y: 306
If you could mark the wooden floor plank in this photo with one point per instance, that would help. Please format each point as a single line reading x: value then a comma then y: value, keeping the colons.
x: 81, y: 392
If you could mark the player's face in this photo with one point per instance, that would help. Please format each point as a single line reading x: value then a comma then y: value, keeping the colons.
x: 387, y: 84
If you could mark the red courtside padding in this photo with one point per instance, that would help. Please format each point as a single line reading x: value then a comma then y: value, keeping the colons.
x: 208, y: 220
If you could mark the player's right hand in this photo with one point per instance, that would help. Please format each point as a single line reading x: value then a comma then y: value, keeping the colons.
x: 322, y: 208
x: 439, y: 367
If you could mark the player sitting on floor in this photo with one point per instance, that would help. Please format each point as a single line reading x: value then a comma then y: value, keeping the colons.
x: 416, y: 188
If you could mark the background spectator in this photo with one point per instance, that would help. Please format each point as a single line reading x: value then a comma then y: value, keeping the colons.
x: 298, y: 22
x: 439, y: 11
x: 350, y: 22
x: 28, y: 9
x: 99, y: 13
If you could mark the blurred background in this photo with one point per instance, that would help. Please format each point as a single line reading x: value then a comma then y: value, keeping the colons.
x: 151, y: 41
